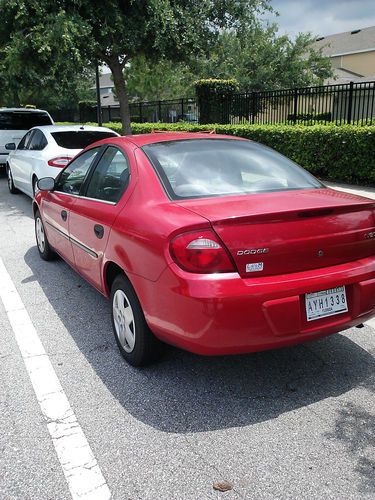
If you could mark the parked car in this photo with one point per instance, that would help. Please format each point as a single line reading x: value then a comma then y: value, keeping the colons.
x: 15, y: 122
x: 44, y: 151
x: 214, y: 244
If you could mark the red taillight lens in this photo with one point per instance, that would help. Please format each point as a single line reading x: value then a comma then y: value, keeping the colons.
x: 200, y: 252
x: 59, y: 161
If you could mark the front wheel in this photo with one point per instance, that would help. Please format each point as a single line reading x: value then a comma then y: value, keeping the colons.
x: 45, y: 251
x: 135, y: 340
x: 12, y: 188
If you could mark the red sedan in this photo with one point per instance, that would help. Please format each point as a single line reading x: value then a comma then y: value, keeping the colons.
x: 214, y: 244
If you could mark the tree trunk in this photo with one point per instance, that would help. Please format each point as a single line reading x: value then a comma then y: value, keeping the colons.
x: 122, y: 93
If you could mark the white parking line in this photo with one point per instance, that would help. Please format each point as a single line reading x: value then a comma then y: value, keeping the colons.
x: 371, y: 322
x: 82, y: 472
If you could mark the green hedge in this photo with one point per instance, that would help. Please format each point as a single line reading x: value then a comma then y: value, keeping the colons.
x: 339, y: 153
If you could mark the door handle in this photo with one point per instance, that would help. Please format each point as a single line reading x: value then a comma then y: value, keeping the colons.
x: 64, y: 215
x: 99, y: 231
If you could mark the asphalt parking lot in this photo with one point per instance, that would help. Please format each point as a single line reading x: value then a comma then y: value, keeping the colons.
x: 287, y: 424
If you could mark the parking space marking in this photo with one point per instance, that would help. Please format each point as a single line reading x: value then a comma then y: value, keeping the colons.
x: 371, y: 322
x: 82, y: 472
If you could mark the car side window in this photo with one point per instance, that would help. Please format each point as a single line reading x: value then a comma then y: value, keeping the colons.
x: 72, y: 177
x: 25, y: 139
x: 110, y: 177
x: 38, y: 141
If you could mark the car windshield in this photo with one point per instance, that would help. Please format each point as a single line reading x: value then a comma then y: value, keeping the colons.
x: 23, y: 120
x: 218, y: 167
x: 79, y: 139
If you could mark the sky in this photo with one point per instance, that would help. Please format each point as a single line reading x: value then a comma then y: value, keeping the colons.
x: 322, y: 17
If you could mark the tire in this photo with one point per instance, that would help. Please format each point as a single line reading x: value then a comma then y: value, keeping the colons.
x: 136, y: 342
x: 35, y: 180
x: 44, y: 249
x: 12, y: 188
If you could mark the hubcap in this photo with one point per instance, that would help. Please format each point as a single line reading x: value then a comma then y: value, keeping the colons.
x: 123, y: 319
x: 40, y: 238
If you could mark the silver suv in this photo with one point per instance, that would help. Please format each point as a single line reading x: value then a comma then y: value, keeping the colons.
x: 15, y: 122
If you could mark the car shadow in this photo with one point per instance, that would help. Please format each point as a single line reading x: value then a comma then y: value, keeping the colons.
x: 14, y: 205
x: 189, y: 393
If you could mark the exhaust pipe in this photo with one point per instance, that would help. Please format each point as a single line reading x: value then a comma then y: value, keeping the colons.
x: 361, y: 325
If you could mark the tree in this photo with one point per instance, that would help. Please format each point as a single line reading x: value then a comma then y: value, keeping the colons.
x: 259, y: 59
x: 40, y: 32
x: 149, y: 80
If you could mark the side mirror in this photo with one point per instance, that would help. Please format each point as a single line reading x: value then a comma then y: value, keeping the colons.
x: 46, y: 184
x: 11, y: 146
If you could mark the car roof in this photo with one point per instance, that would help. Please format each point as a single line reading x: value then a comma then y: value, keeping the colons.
x: 144, y: 139
x: 72, y: 128
x: 22, y: 110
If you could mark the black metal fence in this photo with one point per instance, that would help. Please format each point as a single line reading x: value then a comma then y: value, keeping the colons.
x: 352, y: 103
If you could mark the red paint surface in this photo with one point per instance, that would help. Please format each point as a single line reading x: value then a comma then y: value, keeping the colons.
x: 229, y: 312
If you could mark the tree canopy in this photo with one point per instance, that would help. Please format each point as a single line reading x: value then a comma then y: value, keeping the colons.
x: 46, y: 36
x: 44, y: 43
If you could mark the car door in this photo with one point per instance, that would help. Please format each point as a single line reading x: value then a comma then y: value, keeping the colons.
x: 34, y: 158
x: 57, y: 205
x: 17, y: 161
x: 93, y: 214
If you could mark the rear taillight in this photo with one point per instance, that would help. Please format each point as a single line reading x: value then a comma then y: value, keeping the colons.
x: 200, y: 252
x: 59, y: 161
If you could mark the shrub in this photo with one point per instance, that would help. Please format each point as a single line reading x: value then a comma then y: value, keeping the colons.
x: 338, y: 153
x: 215, y: 99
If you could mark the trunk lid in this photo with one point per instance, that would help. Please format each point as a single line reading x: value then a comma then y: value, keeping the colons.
x: 290, y: 231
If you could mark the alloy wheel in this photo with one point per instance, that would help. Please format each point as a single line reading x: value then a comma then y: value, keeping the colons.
x: 124, y: 322
x: 40, y: 238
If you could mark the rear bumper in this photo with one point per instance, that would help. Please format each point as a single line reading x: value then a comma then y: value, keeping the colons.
x: 225, y: 314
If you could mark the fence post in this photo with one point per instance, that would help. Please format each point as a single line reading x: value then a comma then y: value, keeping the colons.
x: 140, y: 112
x: 182, y: 108
x: 295, y: 107
x: 253, y: 106
x: 159, y: 108
x: 109, y: 113
x: 350, y: 102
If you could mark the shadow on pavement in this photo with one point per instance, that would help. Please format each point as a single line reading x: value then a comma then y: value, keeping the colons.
x: 13, y: 205
x: 188, y: 393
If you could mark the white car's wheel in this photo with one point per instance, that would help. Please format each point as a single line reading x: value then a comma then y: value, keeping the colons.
x: 35, y: 187
x: 12, y: 188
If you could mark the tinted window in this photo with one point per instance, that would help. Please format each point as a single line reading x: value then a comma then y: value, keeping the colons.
x: 110, y: 177
x: 38, y: 141
x: 215, y: 167
x: 22, y: 120
x: 80, y: 139
x: 25, y: 140
x: 71, y: 178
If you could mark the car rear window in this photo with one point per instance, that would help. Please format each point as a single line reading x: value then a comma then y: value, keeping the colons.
x: 19, y: 120
x: 218, y: 167
x: 79, y: 139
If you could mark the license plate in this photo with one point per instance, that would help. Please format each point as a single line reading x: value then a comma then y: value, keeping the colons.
x: 326, y: 303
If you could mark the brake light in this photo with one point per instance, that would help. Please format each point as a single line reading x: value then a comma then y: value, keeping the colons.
x: 59, y: 161
x: 201, y: 252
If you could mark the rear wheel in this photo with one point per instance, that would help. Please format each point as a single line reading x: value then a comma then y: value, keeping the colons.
x: 35, y: 187
x: 12, y: 188
x: 135, y: 340
x: 45, y: 251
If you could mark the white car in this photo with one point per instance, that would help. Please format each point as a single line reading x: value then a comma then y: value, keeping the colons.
x: 44, y: 151
x: 15, y: 122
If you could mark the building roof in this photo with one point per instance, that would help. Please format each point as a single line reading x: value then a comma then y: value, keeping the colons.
x: 105, y: 80
x: 349, y: 42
